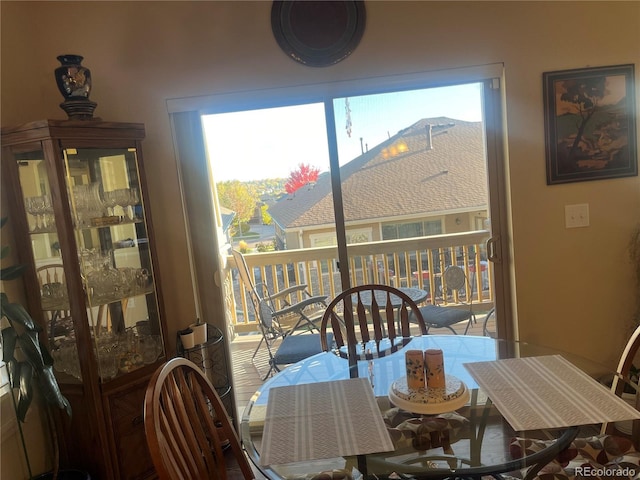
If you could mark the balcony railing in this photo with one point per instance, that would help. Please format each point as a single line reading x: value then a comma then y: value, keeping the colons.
x: 415, y: 262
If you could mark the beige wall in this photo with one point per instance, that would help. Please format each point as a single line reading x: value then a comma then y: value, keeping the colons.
x: 574, y: 287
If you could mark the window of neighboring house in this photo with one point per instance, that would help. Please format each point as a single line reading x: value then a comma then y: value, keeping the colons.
x: 433, y: 227
x: 393, y: 231
x: 389, y: 232
x: 409, y: 230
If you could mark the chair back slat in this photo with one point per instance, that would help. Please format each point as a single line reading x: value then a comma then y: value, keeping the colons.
x: 392, y: 329
x: 404, y: 320
x: 361, y: 314
x: 336, y: 327
x: 391, y: 318
x: 186, y: 425
x: 380, y: 320
x: 172, y: 442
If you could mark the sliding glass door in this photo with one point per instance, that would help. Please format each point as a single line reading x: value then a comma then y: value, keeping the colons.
x: 396, y: 176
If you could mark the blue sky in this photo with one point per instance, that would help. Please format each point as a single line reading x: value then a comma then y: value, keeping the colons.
x: 270, y: 143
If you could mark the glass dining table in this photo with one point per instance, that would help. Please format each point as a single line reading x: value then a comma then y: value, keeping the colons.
x: 472, y: 442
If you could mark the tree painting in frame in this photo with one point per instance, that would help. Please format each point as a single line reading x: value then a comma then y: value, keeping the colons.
x: 590, y: 124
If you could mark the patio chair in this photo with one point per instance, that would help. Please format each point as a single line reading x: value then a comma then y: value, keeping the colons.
x: 276, y: 324
x: 379, y: 315
x: 437, y: 316
x: 612, y: 448
x: 188, y: 430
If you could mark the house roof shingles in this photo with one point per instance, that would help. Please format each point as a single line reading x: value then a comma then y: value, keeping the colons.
x: 449, y: 177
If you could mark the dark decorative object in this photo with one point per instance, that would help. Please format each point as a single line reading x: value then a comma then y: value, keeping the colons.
x: 318, y: 33
x: 590, y: 124
x: 74, y: 82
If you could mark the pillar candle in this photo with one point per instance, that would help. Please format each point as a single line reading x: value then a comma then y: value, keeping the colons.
x: 434, y: 362
x: 415, y: 369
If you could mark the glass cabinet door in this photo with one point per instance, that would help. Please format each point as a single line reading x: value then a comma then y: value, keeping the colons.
x: 114, y: 255
x: 47, y: 255
x: 110, y: 229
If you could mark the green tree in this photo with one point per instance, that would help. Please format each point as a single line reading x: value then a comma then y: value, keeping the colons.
x: 238, y: 197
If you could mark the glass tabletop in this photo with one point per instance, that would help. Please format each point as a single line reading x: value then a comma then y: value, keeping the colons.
x: 471, y: 442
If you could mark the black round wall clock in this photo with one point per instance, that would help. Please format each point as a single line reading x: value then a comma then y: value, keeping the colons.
x: 318, y: 33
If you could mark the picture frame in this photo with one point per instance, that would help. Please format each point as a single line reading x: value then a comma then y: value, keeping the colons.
x: 590, y: 124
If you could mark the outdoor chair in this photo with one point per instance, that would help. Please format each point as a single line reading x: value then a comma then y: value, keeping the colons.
x: 188, y: 430
x: 612, y: 448
x: 369, y: 321
x: 278, y: 325
x: 454, y: 281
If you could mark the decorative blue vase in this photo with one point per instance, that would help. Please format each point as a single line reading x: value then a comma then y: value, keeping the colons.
x: 74, y: 82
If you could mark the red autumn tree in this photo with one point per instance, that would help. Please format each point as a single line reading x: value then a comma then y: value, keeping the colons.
x: 303, y: 175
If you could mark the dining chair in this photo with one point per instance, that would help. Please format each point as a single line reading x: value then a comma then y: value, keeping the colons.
x: 188, y: 430
x: 454, y: 280
x: 611, y: 449
x: 369, y: 321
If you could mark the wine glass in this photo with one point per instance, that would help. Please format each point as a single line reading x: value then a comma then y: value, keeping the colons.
x: 37, y: 207
x: 29, y: 206
x: 109, y: 201
x: 48, y: 218
x: 122, y: 198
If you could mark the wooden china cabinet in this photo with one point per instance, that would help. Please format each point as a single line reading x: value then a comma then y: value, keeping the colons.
x: 79, y: 210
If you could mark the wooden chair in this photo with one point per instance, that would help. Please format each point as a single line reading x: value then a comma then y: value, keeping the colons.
x: 188, y: 428
x: 379, y: 315
x: 610, y: 449
x: 624, y: 379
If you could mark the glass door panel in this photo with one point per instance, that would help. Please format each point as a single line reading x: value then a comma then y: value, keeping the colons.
x: 113, y: 251
x: 269, y: 166
x: 414, y: 181
x: 49, y: 264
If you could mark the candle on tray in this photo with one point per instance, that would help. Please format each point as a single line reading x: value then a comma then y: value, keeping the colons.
x: 434, y: 362
x: 414, y: 360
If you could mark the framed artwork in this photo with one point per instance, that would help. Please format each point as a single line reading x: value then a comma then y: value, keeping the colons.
x: 590, y: 124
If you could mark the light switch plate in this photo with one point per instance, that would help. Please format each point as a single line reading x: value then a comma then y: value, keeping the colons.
x: 576, y: 215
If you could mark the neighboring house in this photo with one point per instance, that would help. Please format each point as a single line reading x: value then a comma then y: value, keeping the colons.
x: 227, y: 216
x: 428, y: 179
